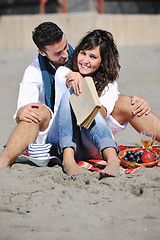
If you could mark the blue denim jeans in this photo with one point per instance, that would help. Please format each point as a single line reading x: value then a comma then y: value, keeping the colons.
x: 87, y: 143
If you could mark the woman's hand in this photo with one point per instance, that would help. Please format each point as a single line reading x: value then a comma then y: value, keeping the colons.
x: 28, y: 114
x: 74, y: 79
x: 140, y: 106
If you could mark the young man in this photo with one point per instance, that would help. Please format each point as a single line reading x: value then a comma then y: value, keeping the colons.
x: 38, y: 101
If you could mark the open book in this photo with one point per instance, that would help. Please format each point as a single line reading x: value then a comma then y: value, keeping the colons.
x: 86, y: 105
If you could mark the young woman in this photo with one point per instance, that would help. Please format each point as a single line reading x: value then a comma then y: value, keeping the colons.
x: 95, y: 56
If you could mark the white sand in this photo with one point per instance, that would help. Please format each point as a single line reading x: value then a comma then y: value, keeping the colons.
x: 44, y: 203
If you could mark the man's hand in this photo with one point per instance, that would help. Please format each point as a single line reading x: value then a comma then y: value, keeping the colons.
x: 74, y: 79
x: 28, y: 113
x: 140, y: 106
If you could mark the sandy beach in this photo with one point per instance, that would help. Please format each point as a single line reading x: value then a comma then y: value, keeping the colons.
x: 44, y: 203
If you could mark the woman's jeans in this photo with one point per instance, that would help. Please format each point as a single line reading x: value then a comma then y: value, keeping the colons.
x: 87, y: 143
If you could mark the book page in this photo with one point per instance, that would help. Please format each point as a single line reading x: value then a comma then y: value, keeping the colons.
x: 86, y: 102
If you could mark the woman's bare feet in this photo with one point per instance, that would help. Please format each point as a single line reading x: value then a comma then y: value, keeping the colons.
x: 73, y: 169
x: 69, y: 164
x: 112, y: 168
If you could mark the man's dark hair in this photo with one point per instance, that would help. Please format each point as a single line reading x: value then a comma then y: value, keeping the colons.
x: 47, y: 33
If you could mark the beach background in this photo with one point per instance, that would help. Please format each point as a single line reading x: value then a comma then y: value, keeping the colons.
x: 44, y: 203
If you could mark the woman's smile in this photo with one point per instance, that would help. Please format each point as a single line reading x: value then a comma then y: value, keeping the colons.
x: 89, y: 61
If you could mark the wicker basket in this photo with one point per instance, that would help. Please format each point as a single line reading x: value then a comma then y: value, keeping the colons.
x: 129, y: 164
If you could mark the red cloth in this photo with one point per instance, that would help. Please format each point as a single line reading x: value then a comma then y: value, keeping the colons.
x: 98, y: 163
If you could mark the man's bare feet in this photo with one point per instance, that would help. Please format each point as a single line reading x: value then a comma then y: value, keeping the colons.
x: 111, y: 170
x: 4, y: 163
x: 69, y: 164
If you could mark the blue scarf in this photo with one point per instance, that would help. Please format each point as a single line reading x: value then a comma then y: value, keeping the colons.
x: 48, y: 76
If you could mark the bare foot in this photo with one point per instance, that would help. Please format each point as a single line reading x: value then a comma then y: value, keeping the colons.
x: 111, y: 170
x: 4, y: 163
x: 74, y: 169
x: 69, y: 164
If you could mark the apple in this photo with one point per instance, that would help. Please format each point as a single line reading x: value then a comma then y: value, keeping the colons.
x: 148, y: 157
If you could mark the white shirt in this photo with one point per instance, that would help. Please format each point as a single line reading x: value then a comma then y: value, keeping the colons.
x: 32, y: 88
x: 108, y: 97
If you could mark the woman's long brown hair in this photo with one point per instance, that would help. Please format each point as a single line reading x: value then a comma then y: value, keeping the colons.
x: 109, y: 67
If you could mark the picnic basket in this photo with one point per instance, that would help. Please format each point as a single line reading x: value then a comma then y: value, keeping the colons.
x: 129, y: 164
